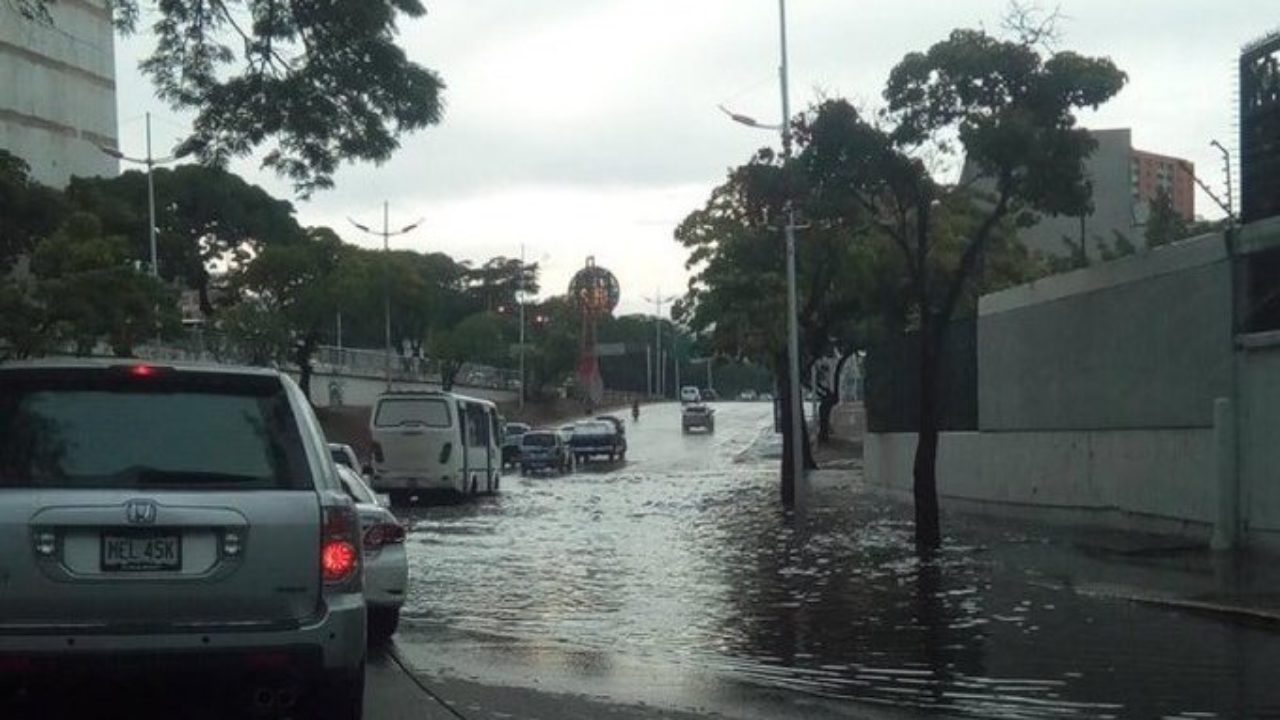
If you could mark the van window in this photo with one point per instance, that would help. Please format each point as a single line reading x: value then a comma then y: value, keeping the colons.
x: 393, y: 412
x: 477, y: 426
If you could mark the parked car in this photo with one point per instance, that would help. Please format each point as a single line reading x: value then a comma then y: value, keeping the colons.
x: 166, y: 511
x: 566, y: 431
x: 617, y: 423
x: 345, y: 455
x: 544, y: 450
x: 747, y: 395
x: 386, y: 569
x: 596, y: 439
x: 710, y: 395
x: 511, y: 435
x: 690, y: 394
x: 697, y: 416
x: 766, y: 397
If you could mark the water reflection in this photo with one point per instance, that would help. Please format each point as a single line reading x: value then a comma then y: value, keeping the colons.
x: 682, y: 559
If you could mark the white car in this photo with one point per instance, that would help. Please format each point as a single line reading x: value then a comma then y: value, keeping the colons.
x: 386, y: 569
x: 690, y: 394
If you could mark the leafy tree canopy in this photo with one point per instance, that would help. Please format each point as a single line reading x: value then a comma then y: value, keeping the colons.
x: 311, y: 83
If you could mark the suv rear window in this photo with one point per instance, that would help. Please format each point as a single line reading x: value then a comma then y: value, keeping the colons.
x: 104, y: 429
x: 432, y: 412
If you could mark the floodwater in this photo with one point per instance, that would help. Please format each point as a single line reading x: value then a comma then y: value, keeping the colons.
x: 675, y: 578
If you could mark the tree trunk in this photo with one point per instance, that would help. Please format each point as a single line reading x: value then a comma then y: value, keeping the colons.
x: 448, y: 373
x: 830, y: 400
x: 925, y: 471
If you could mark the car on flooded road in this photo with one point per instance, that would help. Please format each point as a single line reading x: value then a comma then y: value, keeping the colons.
x: 386, y: 567
x: 598, y: 439
x: 179, y: 526
x: 511, y: 434
x: 697, y: 416
x: 544, y: 451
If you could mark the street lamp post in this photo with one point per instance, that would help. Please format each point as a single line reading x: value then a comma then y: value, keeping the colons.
x: 150, y: 163
x: 386, y: 236
x: 658, y: 301
x: 793, y: 327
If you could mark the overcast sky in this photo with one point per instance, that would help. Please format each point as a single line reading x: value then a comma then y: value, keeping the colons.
x: 589, y: 127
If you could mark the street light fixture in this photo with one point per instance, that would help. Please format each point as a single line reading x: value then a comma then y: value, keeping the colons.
x: 793, y: 326
x: 386, y: 236
x: 150, y: 163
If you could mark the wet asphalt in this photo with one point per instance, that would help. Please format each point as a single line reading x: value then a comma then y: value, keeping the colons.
x: 675, y: 580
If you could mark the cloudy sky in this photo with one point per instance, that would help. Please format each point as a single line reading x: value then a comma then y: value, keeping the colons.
x: 589, y: 127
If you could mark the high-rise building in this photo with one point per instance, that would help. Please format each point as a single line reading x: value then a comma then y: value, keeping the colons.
x: 58, y: 89
x: 1125, y: 181
x: 1150, y: 173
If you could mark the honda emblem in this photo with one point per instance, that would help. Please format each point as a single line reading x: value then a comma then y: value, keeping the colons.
x: 140, y: 512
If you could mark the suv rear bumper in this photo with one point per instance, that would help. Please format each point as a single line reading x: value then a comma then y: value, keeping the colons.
x: 336, y: 638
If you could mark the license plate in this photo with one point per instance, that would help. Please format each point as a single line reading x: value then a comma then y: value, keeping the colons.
x: 136, y: 553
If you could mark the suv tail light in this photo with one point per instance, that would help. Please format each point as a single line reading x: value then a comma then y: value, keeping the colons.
x: 340, y: 546
x: 383, y: 534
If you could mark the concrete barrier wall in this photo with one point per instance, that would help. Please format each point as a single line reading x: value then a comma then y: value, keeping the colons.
x: 1140, y: 342
x: 1100, y: 476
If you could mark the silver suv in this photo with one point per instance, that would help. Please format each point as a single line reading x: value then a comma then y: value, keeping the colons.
x: 176, y: 519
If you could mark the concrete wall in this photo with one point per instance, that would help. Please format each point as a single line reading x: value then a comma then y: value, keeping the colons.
x: 1159, y: 480
x: 1140, y: 342
x: 58, y: 90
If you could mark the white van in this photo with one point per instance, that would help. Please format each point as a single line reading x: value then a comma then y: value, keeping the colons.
x: 434, y: 441
x: 690, y: 394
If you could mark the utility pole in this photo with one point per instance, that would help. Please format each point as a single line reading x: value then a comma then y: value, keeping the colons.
x: 658, y: 301
x: 648, y: 370
x: 386, y: 236
x: 793, y: 327
x: 520, y: 302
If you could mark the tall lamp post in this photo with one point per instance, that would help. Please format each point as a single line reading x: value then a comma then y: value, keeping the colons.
x: 793, y: 327
x: 658, y: 301
x: 150, y: 163
x: 386, y: 236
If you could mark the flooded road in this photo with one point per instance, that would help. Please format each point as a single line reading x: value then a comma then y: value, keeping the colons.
x: 675, y: 579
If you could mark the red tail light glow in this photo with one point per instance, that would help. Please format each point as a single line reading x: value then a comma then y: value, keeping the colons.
x: 340, y: 552
x: 338, y: 560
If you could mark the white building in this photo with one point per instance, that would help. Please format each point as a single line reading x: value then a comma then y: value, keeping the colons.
x: 58, y: 90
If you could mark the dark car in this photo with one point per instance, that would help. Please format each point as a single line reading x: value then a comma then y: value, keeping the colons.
x: 544, y: 450
x: 698, y: 416
x: 511, y: 435
x: 598, y: 439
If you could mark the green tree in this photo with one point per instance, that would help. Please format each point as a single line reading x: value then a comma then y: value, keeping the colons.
x: 297, y: 284
x: 1164, y: 224
x: 207, y: 220
x: 257, y: 333
x: 29, y: 211
x: 91, y: 289
x: 311, y: 84
x: 1012, y: 110
x: 495, y: 285
x: 478, y: 338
